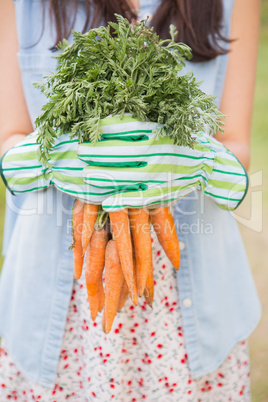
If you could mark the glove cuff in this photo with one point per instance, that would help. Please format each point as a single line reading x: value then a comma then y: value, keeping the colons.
x: 227, y: 185
x: 20, y: 168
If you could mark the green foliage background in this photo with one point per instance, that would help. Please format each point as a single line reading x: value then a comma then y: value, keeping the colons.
x: 256, y: 242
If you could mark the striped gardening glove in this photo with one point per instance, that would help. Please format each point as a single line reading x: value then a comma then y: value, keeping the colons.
x: 22, y: 172
x: 129, y: 167
x: 143, y: 171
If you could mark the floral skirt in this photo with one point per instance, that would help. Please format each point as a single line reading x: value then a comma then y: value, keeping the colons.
x: 142, y: 358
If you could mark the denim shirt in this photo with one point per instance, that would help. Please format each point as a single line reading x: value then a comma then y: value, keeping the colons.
x: 217, y: 294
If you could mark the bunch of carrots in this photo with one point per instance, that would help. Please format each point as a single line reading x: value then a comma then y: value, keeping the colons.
x: 119, y: 244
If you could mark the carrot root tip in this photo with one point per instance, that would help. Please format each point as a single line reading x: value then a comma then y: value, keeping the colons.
x: 141, y: 292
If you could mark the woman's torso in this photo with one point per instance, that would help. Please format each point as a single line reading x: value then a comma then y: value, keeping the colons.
x: 216, y: 290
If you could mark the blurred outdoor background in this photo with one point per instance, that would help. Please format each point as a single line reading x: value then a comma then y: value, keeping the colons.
x: 254, y: 210
x: 252, y: 215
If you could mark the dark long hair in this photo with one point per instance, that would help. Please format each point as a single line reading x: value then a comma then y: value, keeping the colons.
x: 199, y: 22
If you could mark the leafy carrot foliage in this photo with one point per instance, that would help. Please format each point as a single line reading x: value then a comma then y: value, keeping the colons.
x: 118, y: 69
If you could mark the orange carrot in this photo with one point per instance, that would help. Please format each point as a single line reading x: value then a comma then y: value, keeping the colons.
x: 104, y: 321
x: 102, y: 296
x: 113, y: 284
x: 149, y: 287
x: 90, y: 215
x: 121, y: 230
x: 164, y: 227
x: 123, y: 296
x: 95, y: 258
x: 141, y: 235
x: 78, y: 215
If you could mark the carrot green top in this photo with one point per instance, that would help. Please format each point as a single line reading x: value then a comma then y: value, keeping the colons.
x: 118, y: 69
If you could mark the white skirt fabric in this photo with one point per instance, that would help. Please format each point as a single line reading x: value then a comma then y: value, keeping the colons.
x: 143, y: 357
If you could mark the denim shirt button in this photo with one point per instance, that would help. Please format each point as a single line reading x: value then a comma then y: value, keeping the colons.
x: 181, y: 245
x: 187, y: 302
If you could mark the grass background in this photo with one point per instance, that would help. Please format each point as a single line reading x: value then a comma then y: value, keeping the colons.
x: 256, y: 240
